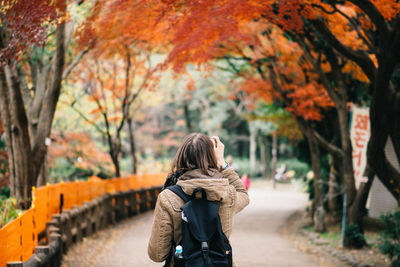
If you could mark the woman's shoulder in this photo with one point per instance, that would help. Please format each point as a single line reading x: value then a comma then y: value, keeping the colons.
x: 169, y: 200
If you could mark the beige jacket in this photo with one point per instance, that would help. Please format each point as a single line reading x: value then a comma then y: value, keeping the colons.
x: 224, y: 187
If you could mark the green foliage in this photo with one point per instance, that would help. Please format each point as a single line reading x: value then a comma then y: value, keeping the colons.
x: 64, y: 170
x: 331, y: 235
x: 244, y: 167
x: 355, y: 238
x: 389, y: 242
x: 8, y: 210
x: 301, y: 168
x: 4, y: 192
x: 324, y: 176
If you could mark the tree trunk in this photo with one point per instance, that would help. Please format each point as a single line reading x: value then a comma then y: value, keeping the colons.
x: 20, y: 142
x: 380, y: 112
x: 317, y: 208
x: 252, y: 150
x: 132, y: 146
x: 274, y: 153
x: 347, y: 159
x: 43, y: 174
x: 187, y: 118
x: 357, y: 210
x: 27, y: 152
x: 5, y: 118
x: 268, y: 157
x: 319, y: 214
x: 263, y: 159
x: 334, y: 185
x: 115, y: 161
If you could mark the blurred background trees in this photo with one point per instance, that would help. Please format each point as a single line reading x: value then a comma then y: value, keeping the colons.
x: 109, y: 88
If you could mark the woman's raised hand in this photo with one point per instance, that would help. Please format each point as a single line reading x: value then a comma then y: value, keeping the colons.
x: 218, y: 150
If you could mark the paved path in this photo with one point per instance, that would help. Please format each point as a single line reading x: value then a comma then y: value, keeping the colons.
x: 255, y: 240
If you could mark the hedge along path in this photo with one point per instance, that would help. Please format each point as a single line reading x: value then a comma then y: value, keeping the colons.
x: 20, y: 237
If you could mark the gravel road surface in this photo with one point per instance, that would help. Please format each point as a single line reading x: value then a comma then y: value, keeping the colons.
x: 256, y: 238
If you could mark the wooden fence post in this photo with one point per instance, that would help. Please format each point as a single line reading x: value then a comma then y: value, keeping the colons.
x: 102, y: 212
x: 119, y: 206
x: 55, y: 249
x: 108, y: 210
x: 42, y: 255
x: 143, y: 200
x: 132, y: 203
x: 66, y: 230
x: 153, y: 195
x: 76, y: 230
x: 96, y: 214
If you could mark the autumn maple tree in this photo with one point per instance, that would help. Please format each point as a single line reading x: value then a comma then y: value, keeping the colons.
x: 36, y: 57
x: 370, y: 42
x: 28, y: 101
x: 338, y: 39
x: 118, y: 68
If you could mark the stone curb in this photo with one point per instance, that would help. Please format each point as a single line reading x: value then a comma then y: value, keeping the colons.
x: 340, y: 254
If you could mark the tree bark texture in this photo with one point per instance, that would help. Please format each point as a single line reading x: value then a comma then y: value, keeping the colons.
x: 357, y: 210
x: 115, y: 161
x: 253, y: 143
x: 274, y: 153
x: 6, y: 120
x: 187, y: 117
x: 263, y: 159
x: 334, y: 185
x: 132, y: 146
x: 319, y: 211
x: 27, y: 125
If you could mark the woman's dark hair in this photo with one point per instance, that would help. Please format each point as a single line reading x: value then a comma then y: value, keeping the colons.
x: 196, y: 152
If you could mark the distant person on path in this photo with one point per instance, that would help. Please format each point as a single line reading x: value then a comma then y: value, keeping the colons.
x: 233, y: 165
x: 199, y: 162
x: 280, y: 175
x: 246, y: 181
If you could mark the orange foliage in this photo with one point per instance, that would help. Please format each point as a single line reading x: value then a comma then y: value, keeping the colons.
x: 121, y: 35
x: 114, y: 25
x: 389, y: 8
x: 242, y: 29
x: 202, y: 29
x: 299, y: 88
x: 79, y: 149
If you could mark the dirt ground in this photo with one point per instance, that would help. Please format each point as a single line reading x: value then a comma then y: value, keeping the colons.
x: 257, y: 238
x: 328, y: 244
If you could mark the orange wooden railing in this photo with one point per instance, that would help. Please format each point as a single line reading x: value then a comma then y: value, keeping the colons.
x: 19, y: 237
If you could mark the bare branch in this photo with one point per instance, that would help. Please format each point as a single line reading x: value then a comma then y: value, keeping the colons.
x: 356, y: 28
x: 327, y: 145
x: 73, y: 64
x: 375, y: 15
x: 84, y: 117
x: 322, y: 142
x: 359, y: 57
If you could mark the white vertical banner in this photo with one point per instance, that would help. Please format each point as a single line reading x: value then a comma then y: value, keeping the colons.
x: 360, y: 132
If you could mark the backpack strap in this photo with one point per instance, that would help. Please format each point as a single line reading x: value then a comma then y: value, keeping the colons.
x: 178, y: 190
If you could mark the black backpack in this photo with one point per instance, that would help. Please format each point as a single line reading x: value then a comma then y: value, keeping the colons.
x: 203, y: 241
